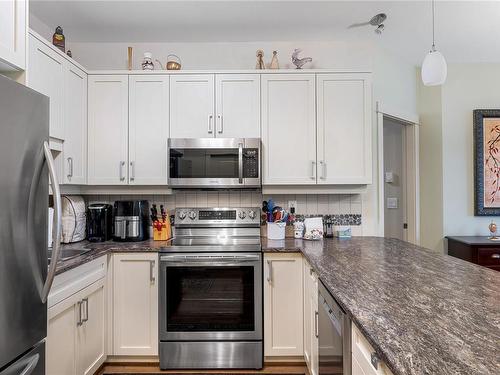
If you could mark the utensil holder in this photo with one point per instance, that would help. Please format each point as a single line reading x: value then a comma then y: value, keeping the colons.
x: 276, y: 231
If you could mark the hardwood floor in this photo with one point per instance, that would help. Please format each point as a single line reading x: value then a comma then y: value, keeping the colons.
x: 153, y: 368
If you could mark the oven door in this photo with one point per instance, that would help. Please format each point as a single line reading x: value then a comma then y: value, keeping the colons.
x: 214, y: 162
x: 210, y: 296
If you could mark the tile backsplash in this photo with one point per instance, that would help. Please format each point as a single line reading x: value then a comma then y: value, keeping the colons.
x: 323, y: 204
x: 346, y: 205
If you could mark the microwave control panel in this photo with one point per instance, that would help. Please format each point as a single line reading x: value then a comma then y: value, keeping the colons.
x: 250, y: 163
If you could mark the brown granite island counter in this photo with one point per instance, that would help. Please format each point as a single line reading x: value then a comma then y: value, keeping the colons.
x: 424, y: 312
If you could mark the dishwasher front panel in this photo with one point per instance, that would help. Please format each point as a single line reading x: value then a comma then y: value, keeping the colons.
x: 334, y: 336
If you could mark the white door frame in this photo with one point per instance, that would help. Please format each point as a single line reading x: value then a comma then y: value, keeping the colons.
x: 412, y: 169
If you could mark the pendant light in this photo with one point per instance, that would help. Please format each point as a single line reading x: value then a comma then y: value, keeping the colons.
x: 434, y: 69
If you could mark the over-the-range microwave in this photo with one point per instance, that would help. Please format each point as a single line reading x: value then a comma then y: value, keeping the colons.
x: 214, y: 163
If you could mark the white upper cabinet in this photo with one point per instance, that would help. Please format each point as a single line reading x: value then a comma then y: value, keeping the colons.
x: 46, y: 75
x: 107, y: 129
x: 148, y: 129
x: 288, y: 129
x: 13, y: 16
x: 75, y: 129
x: 192, y: 99
x: 237, y: 106
x: 344, y: 128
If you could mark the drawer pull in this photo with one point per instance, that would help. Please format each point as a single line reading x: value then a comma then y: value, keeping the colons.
x: 495, y: 256
x: 374, y: 359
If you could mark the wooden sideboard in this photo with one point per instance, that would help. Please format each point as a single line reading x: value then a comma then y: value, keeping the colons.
x: 476, y: 249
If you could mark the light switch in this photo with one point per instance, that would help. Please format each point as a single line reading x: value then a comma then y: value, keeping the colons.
x: 392, y: 202
x: 389, y: 177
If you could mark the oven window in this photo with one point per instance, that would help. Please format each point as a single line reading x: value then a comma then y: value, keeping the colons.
x: 205, y: 299
x: 204, y: 163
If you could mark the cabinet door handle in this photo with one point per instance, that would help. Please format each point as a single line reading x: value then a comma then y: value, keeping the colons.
x: 152, y: 271
x: 495, y: 256
x: 270, y: 271
x: 85, y: 302
x: 316, y: 324
x: 70, y: 167
x: 132, y: 170
x: 122, y: 175
x: 79, y: 322
x: 323, y: 170
x: 221, y: 129
x: 374, y: 359
x: 210, y: 125
x: 313, y: 170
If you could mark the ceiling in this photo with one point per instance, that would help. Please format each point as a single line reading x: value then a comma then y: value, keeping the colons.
x: 466, y: 31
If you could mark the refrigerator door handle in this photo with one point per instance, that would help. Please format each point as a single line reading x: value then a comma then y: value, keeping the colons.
x: 57, y: 226
x: 31, y: 365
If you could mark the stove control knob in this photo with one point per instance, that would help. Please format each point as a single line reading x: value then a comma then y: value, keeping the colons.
x: 182, y: 215
x: 252, y: 214
x: 242, y: 215
x: 192, y: 215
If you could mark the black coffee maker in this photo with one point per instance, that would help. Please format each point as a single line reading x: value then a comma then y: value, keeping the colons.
x: 131, y: 220
x: 99, y: 222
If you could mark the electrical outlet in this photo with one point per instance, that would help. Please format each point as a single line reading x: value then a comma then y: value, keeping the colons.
x: 292, y: 204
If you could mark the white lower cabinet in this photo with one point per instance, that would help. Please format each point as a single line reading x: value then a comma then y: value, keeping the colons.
x: 283, y: 305
x: 362, y: 354
x: 76, y: 333
x: 135, y: 304
x: 310, y: 280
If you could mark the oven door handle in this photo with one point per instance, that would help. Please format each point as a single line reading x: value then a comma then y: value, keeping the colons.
x: 210, y: 259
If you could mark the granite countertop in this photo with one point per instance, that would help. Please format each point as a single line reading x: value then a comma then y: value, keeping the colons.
x: 97, y: 249
x: 424, y: 312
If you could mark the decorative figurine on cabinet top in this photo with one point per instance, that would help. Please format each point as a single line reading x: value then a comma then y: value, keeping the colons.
x: 260, y: 65
x: 299, y: 62
x: 147, y: 61
x: 274, y: 61
x: 58, y: 39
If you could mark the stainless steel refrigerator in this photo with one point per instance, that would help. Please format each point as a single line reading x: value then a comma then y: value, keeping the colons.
x: 25, y: 279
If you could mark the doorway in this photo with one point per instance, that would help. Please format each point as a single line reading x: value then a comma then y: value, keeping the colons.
x: 399, y: 179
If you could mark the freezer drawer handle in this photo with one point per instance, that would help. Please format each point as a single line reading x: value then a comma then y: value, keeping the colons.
x: 57, y: 225
x: 30, y: 367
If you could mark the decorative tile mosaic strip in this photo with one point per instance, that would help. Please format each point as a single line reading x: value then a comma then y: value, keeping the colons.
x: 337, y: 219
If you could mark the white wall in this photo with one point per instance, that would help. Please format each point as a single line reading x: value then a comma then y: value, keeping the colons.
x: 431, y: 166
x: 468, y: 87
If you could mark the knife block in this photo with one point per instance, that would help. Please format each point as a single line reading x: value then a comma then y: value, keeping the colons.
x: 162, y: 233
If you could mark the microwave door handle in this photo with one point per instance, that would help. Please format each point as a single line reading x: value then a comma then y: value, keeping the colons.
x: 240, y: 163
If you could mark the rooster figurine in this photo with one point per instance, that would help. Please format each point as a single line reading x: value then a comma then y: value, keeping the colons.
x: 299, y: 62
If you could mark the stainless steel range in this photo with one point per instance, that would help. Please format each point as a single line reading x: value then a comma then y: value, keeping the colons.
x: 210, y: 313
